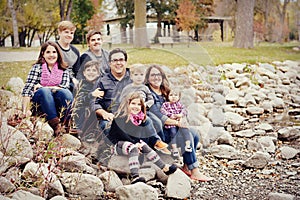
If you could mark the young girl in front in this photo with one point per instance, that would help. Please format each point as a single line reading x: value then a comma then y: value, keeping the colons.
x: 174, y: 109
x: 130, y: 132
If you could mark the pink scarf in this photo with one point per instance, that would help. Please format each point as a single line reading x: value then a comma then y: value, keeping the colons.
x: 138, y: 118
x: 52, y: 78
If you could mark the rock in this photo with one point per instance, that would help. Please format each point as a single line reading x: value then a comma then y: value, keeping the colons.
x: 71, y: 142
x: 178, y: 185
x: 15, y: 84
x: 21, y: 195
x: 288, y: 152
x: 288, y: 133
x: 280, y: 196
x: 6, y: 186
x: 224, y: 151
x: 136, y: 191
x: 245, y: 133
x: 267, y: 143
x: 110, y: 180
x: 259, y: 160
x: 234, y: 118
x: 84, y: 185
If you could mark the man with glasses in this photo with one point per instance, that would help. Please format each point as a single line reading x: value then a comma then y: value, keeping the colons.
x: 95, y: 52
x: 112, y: 84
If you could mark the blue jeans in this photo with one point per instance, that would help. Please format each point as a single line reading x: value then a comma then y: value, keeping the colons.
x: 157, y: 125
x: 189, y: 158
x: 53, y: 102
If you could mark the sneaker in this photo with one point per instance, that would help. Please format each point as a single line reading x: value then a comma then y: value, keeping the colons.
x: 175, y: 153
x: 90, y: 138
x: 160, y: 145
x: 171, y: 169
x: 188, y: 149
x: 165, y: 151
x: 138, y: 179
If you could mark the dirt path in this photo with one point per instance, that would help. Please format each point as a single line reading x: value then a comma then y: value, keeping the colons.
x: 18, y: 56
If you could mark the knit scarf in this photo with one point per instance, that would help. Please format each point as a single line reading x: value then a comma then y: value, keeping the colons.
x: 138, y: 118
x: 52, y: 78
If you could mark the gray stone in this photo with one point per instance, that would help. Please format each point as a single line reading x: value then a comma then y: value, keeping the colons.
x: 136, y: 191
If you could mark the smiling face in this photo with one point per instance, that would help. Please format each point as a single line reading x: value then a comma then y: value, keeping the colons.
x: 155, y: 78
x: 138, y: 77
x: 91, y: 73
x: 173, y: 96
x: 66, y: 36
x: 50, y: 55
x: 118, y: 65
x: 95, y: 43
x: 135, y: 106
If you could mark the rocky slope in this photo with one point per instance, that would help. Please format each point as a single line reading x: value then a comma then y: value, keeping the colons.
x: 247, y: 117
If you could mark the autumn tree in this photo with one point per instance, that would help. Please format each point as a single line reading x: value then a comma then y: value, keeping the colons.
x: 187, y: 17
x: 244, y: 24
x: 140, y: 33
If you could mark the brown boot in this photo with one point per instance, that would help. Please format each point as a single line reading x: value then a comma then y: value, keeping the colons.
x: 55, y: 125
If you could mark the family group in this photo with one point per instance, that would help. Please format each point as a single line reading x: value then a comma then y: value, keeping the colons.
x: 134, y: 108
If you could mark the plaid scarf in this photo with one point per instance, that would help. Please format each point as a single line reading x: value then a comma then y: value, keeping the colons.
x: 138, y: 118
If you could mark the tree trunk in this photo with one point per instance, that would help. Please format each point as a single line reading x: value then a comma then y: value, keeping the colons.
x: 69, y: 10
x: 244, y: 24
x: 62, y: 5
x: 282, y: 21
x: 16, y: 43
x: 158, y: 30
x: 140, y: 37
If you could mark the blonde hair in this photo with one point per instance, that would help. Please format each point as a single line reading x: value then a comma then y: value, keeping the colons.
x: 137, y: 68
x: 124, y: 106
x: 64, y: 25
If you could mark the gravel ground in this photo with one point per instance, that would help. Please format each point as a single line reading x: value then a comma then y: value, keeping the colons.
x: 233, y: 181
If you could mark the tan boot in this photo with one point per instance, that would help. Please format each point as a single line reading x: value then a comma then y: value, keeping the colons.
x: 55, y: 125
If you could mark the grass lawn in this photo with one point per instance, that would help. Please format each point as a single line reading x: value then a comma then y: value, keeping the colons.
x: 202, y: 53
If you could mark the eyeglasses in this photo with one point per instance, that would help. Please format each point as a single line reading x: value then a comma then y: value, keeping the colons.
x: 118, y: 60
x: 156, y: 75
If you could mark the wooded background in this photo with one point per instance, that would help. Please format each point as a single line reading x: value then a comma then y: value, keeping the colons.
x: 268, y: 20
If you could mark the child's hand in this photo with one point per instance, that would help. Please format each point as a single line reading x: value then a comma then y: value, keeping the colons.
x: 177, y: 116
x: 98, y: 93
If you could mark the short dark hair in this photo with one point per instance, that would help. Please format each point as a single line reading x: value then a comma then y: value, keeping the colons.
x: 91, y: 33
x: 117, y: 50
x: 91, y: 63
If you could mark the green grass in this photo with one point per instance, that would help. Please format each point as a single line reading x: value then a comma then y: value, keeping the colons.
x: 202, y: 53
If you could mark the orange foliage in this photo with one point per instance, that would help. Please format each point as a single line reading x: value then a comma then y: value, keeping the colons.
x: 96, y: 22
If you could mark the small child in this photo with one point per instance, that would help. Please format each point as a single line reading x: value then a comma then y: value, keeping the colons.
x: 137, y: 75
x: 85, y: 119
x: 174, y: 109
x: 130, y: 132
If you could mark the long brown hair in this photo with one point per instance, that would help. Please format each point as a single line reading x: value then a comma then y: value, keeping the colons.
x: 124, y: 106
x: 164, y: 87
x: 60, y: 61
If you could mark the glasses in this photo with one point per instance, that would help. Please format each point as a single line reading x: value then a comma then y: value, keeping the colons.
x: 118, y: 60
x: 156, y: 75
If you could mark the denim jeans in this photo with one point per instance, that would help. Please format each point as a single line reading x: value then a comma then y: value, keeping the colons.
x: 189, y: 158
x: 157, y: 125
x: 52, y: 102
